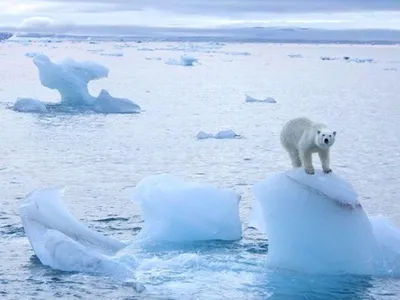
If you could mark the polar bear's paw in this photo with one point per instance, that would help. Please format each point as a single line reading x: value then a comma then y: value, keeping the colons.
x: 309, y: 170
x: 327, y: 170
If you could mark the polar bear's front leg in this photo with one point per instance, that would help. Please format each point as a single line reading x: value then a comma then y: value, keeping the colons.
x: 324, y: 157
x: 306, y: 160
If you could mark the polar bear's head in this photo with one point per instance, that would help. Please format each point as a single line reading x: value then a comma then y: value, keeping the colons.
x: 325, y: 138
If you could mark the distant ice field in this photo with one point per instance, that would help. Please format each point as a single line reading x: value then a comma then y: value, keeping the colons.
x: 99, y: 158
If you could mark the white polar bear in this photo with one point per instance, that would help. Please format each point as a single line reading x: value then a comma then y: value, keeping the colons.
x: 302, y: 137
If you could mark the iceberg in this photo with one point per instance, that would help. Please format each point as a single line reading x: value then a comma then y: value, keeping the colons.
x: 70, y: 78
x: 315, y: 224
x: 29, y: 105
x: 177, y: 211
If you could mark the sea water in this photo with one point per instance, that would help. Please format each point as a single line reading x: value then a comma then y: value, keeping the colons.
x: 99, y: 158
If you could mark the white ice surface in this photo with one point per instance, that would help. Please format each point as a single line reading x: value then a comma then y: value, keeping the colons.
x: 174, y: 210
x: 315, y: 223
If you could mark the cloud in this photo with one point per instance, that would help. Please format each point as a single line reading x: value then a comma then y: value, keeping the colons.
x: 55, y: 15
x: 221, y: 7
x: 45, y: 24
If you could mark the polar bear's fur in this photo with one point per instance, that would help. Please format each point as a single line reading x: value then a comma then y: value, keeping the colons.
x: 302, y: 137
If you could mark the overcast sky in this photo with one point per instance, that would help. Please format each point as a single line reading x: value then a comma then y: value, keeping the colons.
x: 61, y: 15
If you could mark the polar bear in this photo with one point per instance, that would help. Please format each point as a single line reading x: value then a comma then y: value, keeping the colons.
x: 302, y: 137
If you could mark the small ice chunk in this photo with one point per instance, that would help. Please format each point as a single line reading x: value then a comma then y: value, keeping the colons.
x: 266, y: 100
x: 329, y: 58
x: 226, y: 134
x: 188, y: 60
x: 203, y: 135
x: 117, y: 54
x: 295, y: 55
x: 105, y: 103
x: 185, y: 60
x: 177, y: 211
x: 32, y: 54
x: 223, y: 134
x: 29, y: 105
x: 361, y: 60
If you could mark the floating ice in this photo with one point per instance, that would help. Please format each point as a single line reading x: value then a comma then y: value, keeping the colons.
x: 266, y: 100
x: 238, y: 53
x: 117, y: 54
x: 185, y: 60
x: 32, y: 54
x: 63, y: 243
x: 29, y: 105
x: 178, y: 211
x: 223, y: 134
x: 145, y: 49
x: 329, y: 58
x: 361, y: 60
x: 105, y: 103
x: 70, y: 78
x: 188, y: 60
x: 295, y: 55
x: 314, y: 223
x: 203, y: 135
x: 95, y: 50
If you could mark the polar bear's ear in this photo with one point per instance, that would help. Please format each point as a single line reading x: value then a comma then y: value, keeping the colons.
x: 319, y: 131
x: 334, y: 133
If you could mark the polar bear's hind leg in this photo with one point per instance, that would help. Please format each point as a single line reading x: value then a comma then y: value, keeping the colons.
x: 295, y: 158
x: 306, y: 160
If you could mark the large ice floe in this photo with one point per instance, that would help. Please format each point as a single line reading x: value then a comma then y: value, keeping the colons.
x: 173, y: 211
x: 71, y: 79
x: 315, y: 224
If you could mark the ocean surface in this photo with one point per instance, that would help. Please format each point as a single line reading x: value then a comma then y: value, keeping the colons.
x: 99, y: 158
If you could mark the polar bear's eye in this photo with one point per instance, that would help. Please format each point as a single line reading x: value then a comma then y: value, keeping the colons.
x: 330, y: 136
x: 323, y: 134
x: 318, y: 132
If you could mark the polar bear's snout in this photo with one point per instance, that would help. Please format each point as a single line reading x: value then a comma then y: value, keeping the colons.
x: 326, y: 141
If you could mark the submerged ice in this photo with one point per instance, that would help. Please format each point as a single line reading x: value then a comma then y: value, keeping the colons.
x: 71, y: 78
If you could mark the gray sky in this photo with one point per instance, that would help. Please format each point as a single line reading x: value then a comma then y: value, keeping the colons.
x: 61, y: 15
